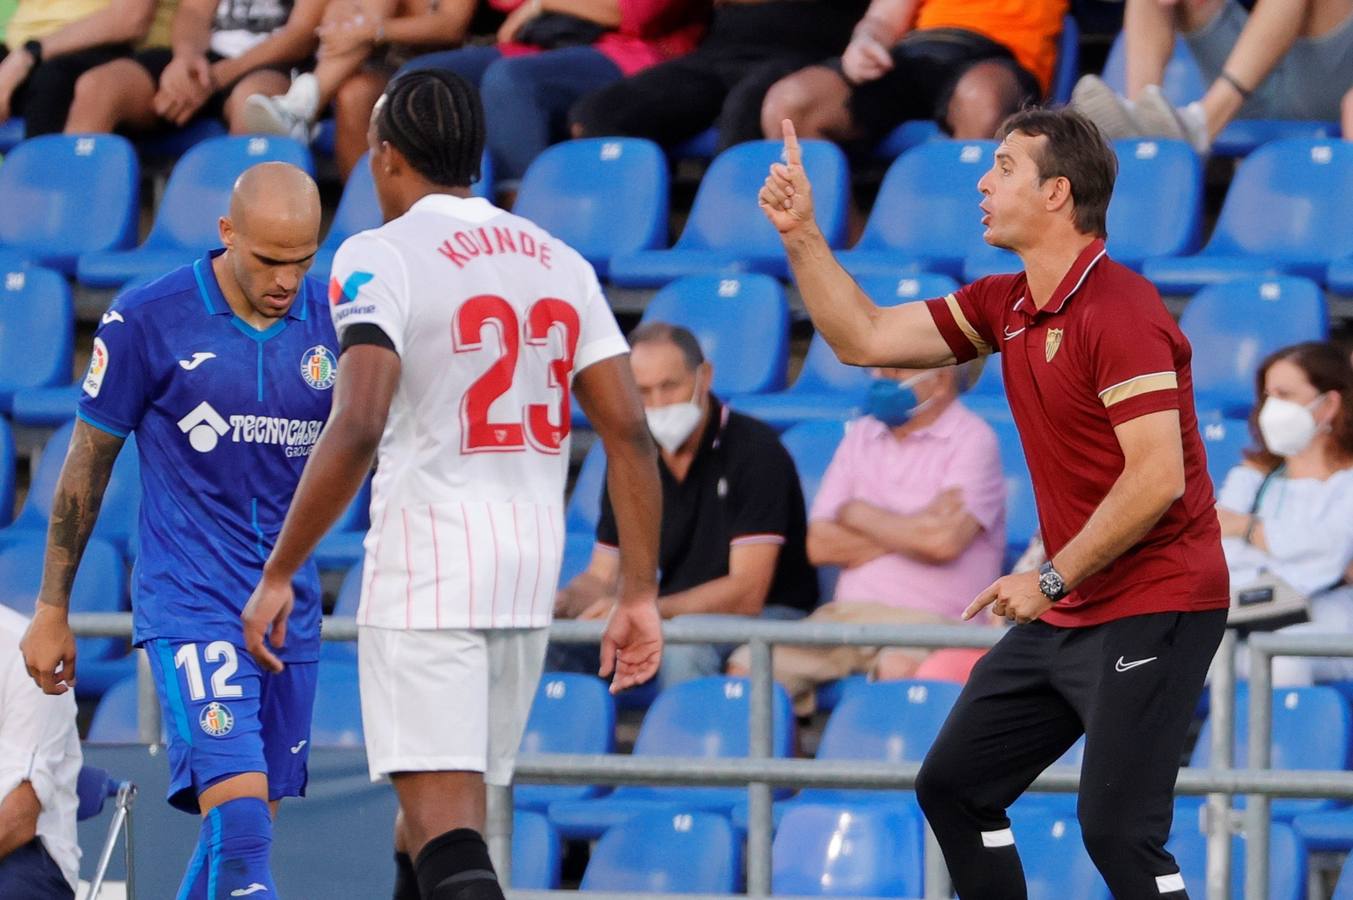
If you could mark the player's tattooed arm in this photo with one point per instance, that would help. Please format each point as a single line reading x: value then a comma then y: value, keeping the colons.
x: 75, y: 508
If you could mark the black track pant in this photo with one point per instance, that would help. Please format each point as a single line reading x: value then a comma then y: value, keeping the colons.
x: 1131, y: 686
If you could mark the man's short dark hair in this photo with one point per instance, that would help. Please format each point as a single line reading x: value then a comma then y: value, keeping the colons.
x: 436, y: 119
x: 1074, y: 149
x: 667, y: 333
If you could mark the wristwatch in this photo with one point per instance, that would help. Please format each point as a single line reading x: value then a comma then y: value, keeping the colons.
x: 1050, y: 582
x: 34, y: 49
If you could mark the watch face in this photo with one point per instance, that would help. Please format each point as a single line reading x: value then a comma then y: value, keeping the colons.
x: 1050, y: 583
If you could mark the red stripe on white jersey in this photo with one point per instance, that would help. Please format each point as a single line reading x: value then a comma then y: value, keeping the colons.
x: 375, y: 567
x: 469, y: 560
x: 408, y: 573
x: 516, y: 580
x: 535, y: 582
x: 493, y: 531
x: 436, y: 568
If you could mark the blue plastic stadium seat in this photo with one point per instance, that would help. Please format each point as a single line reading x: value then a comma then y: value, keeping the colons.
x: 536, y: 852
x: 1224, y: 439
x: 11, y: 133
x: 727, y: 232
x: 925, y: 216
x: 722, y: 312
x: 1284, y: 213
x: 8, y: 474
x: 67, y: 195
x: 667, y: 853
x: 1234, y: 326
x: 171, y: 143
x: 36, y: 331
x: 100, y: 586
x: 1156, y: 208
x: 909, y: 134
x: 824, y: 850
x: 1310, y: 731
x: 1286, y: 862
x: 337, y: 719
x: 1329, y: 831
x: 1344, y: 889
x: 197, y: 195
x: 604, y: 197
x: 358, y: 210
x: 584, y: 503
x: 811, y: 446
x: 704, y: 717
x: 342, y: 548
x: 1056, y: 866
x: 115, y: 717
x: 121, y: 499
x: 890, y: 289
x: 571, y: 714
x: 704, y: 145
x: 1340, y: 276
x: 1021, y: 510
x: 988, y: 260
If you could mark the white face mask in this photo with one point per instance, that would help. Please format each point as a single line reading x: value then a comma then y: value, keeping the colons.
x: 1286, y: 426
x: 672, y: 424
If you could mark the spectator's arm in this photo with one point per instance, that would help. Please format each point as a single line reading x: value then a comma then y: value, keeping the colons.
x: 603, y: 12
x: 833, y: 544
x: 937, y: 534
x: 742, y: 592
x: 1346, y: 118
x: 291, y: 43
x: 447, y: 24
x: 18, y: 818
x: 887, y: 21
x: 120, y: 22
x: 599, y: 580
x: 190, y: 32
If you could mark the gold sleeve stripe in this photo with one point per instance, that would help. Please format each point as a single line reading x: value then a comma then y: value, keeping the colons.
x: 983, y: 348
x: 1135, y: 387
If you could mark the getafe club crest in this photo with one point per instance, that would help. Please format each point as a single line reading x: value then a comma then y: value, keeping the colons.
x: 319, y: 368
x: 216, y: 719
x: 1052, y: 344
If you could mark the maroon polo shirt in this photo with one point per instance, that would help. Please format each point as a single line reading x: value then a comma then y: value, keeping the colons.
x: 1102, y: 352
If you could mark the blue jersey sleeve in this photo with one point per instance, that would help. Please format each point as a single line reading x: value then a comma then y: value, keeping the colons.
x: 113, y: 395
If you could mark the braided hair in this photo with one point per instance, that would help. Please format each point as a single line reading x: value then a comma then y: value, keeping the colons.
x: 436, y: 120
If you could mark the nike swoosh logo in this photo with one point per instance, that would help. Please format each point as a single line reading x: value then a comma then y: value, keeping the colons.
x: 1124, y: 666
x: 197, y: 360
x: 1011, y: 334
x: 112, y: 316
x: 251, y: 889
x: 297, y: 748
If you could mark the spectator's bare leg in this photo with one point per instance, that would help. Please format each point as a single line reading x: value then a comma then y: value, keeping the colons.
x: 1149, y: 31
x: 261, y: 81
x: 353, y: 103
x: 983, y: 97
x: 113, y: 94
x: 333, y: 70
x: 815, y: 99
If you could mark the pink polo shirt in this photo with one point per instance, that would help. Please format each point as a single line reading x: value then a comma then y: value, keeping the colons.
x: 956, y: 450
x: 650, y: 32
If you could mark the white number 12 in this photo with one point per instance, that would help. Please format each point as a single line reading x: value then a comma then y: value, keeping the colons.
x: 217, y: 651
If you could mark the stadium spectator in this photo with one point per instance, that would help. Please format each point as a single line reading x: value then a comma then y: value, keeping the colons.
x: 733, y: 529
x: 39, y: 764
x: 751, y: 44
x: 1286, y: 59
x: 1288, y: 509
x: 219, y: 55
x: 912, y: 508
x: 551, y: 52
x: 48, y: 46
x: 7, y: 8
x: 360, y: 47
x: 965, y: 63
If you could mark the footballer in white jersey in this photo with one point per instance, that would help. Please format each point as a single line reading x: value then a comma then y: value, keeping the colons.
x: 465, y: 333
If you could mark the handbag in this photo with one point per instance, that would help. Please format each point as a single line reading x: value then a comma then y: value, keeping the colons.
x: 1267, y: 603
x: 551, y: 31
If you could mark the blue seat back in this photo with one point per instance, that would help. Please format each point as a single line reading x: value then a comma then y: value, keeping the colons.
x: 100, y: 586
x: 1156, y: 208
x: 66, y: 195
x: 892, y: 721
x: 811, y: 445
x: 824, y: 850
x: 891, y: 290
x: 8, y: 474
x: 349, y: 593
x: 1310, y: 729
x: 92, y: 787
x: 1068, y: 60
x: 823, y: 372
x: 742, y: 323
x: 602, y: 196
x: 337, y: 719
x: 536, y: 852
x: 1286, y: 861
x: 358, y: 208
x: 572, y: 713
x: 725, y: 215
x: 1233, y: 326
x: 584, y: 504
x: 667, y: 853
x: 37, y: 334
x: 1224, y: 440
x: 927, y: 204
x: 115, y: 718
x: 198, y: 191
x: 1056, y: 865
x: 1021, y: 509
x: 708, y: 717
x: 1287, y: 201
x: 121, y: 499
x: 1183, y: 82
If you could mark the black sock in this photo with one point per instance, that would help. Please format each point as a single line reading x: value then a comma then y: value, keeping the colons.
x: 456, y: 866
x: 406, y: 882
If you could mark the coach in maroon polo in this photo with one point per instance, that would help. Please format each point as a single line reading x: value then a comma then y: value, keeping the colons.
x: 1116, y: 632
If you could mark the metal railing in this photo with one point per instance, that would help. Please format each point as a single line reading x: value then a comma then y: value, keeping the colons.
x: 759, y: 771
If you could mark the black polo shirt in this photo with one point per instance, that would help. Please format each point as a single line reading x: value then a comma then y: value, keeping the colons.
x: 742, y: 488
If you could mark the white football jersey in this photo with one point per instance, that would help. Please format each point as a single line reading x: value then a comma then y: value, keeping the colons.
x: 492, y: 318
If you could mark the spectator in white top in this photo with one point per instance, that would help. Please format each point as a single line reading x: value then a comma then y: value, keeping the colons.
x: 1288, y: 509
x: 39, y: 765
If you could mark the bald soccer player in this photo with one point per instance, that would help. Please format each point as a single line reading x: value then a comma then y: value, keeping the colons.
x: 224, y: 370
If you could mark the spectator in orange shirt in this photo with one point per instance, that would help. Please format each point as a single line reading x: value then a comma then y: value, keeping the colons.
x: 965, y: 63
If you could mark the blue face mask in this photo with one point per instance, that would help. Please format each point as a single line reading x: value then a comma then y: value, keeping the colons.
x: 893, y: 402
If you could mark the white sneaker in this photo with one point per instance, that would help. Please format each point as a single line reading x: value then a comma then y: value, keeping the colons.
x: 289, y: 114
x: 1157, y: 118
x: 1105, y: 107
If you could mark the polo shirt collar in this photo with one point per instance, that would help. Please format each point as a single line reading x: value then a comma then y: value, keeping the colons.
x: 1070, y: 283
x: 714, y: 426
x: 215, y: 300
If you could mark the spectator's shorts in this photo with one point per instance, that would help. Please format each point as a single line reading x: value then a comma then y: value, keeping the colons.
x: 156, y: 59
x: 1308, y: 83
x: 447, y: 700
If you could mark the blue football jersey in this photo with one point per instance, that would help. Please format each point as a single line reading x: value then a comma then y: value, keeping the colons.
x: 225, y: 416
